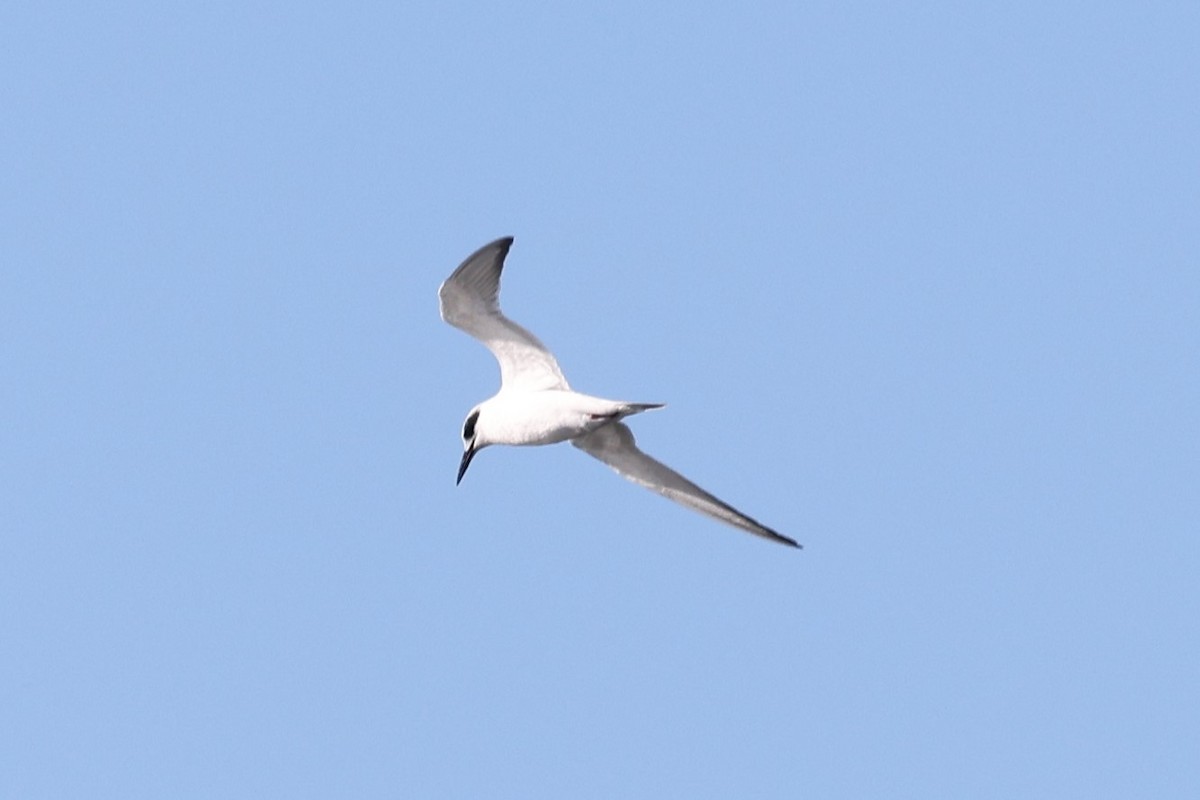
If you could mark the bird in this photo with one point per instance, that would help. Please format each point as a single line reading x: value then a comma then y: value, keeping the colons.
x: 536, y: 406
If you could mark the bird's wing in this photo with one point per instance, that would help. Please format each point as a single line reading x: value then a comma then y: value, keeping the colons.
x: 470, y: 301
x: 614, y: 445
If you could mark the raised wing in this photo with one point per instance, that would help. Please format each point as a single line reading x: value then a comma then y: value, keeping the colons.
x: 614, y: 445
x: 470, y: 301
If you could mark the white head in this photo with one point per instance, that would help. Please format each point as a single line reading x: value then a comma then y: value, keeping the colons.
x: 473, y: 441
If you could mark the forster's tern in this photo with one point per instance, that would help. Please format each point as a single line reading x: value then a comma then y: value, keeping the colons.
x: 536, y: 406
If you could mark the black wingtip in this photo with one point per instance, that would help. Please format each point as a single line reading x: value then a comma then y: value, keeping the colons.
x: 774, y: 536
x: 503, y: 244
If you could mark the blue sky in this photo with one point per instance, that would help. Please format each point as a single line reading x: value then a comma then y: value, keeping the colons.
x: 919, y: 285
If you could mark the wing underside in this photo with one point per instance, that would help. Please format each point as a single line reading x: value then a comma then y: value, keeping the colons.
x: 470, y: 301
x: 615, y: 445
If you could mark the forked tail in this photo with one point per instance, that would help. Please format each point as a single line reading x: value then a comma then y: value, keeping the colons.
x: 637, y: 408
x: 621, y: 410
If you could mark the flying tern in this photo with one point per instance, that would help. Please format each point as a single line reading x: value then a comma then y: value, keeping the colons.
x: 535, y: 405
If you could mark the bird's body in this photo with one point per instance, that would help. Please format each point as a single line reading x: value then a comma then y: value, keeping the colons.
x: 547, y: 416
x: 536, y: 406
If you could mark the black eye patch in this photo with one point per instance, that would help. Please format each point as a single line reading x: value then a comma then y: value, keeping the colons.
x: 469, y: 426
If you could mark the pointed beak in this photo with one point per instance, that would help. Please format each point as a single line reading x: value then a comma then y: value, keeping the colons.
x: 466, y: 462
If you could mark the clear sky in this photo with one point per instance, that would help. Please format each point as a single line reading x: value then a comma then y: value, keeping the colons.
x: 920, y: 286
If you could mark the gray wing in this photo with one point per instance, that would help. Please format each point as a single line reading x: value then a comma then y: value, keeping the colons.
x: 614, y: 445
x: 470, y: 301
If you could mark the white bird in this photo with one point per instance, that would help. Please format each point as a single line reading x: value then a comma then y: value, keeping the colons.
x: 536, y: 406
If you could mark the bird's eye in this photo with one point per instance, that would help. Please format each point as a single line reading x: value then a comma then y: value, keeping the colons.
x: 469, y: 426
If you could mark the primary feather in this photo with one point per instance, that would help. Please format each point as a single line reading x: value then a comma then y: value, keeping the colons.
x: 470, y: 301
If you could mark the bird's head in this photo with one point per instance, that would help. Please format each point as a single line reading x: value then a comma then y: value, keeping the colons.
x: 473, y: 442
